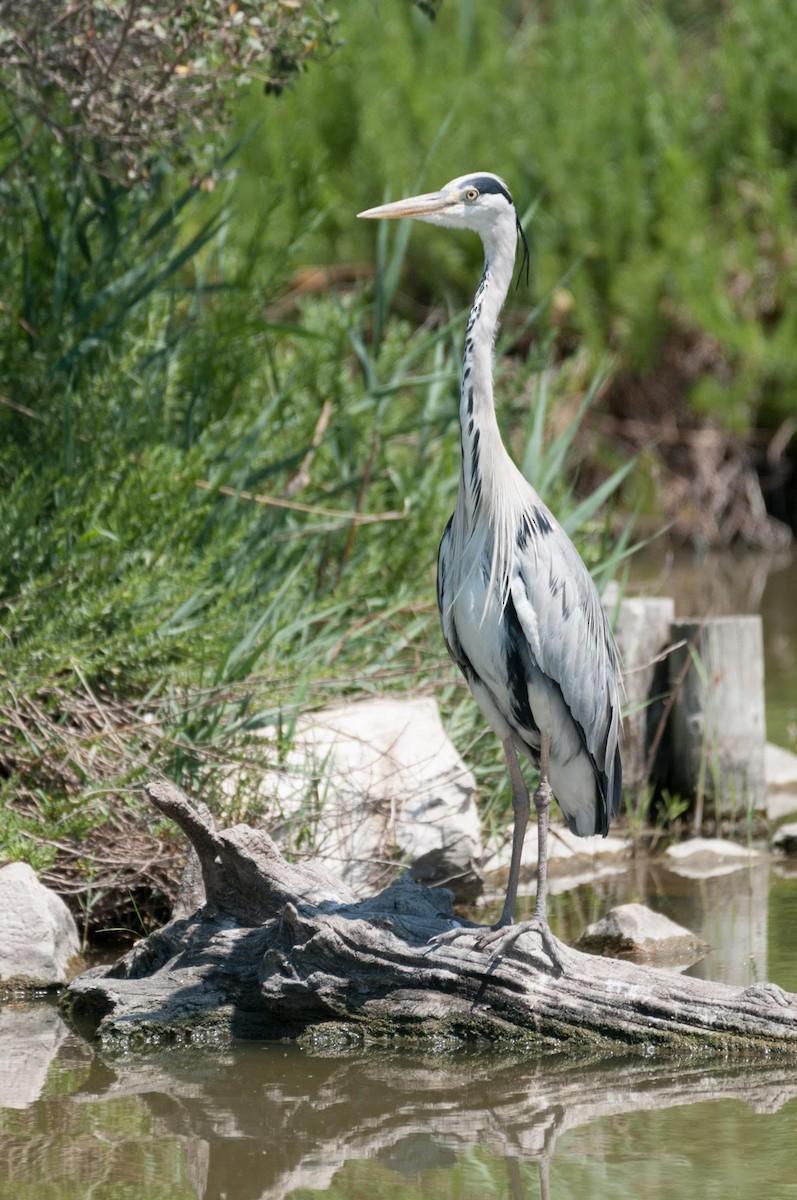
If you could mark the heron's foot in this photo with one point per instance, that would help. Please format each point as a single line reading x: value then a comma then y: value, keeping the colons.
x: 503, y: 936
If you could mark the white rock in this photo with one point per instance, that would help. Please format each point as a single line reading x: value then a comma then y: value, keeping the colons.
x: 780, y: 769
x: 703, y: 858
x: 564, y: 844
x: 636, y: 931
x: 38, y: 935
x: 370, y: 784
x: 572, y: 861
x: 566, y: 850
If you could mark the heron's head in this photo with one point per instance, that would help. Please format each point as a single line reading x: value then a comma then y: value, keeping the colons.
x: 479, y: 201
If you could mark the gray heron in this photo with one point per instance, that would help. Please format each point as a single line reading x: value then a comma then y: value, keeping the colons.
x: 520, y: 613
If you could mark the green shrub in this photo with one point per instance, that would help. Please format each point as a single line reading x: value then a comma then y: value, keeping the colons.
x: 657, y: 143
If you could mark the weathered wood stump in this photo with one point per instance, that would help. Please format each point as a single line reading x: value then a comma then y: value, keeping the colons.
x: 644, y: 631
x: 718, y: 719
x: 274, y: 949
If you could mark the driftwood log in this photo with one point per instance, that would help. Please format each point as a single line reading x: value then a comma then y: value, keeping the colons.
x: 264, y: 947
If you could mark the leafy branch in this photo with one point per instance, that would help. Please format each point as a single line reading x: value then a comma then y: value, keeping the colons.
x: 132, y: 79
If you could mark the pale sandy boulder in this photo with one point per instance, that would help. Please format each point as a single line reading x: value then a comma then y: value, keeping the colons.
x: 371, y: 784
x: 38, y: 935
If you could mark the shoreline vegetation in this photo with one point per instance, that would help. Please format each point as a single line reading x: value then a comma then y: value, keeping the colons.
x: 228, y: 417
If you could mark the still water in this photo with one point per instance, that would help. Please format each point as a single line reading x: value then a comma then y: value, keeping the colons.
x: 275, y: 1121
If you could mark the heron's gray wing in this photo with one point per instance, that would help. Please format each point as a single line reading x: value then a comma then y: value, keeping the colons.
x: 562, y: 618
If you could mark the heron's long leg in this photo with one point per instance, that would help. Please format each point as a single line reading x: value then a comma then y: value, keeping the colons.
x: 506, y: 932
x: 521, y: 808
x: 542, y: 803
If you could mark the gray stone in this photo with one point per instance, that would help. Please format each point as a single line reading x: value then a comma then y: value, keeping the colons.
x: 38, y: 935
x: 637, y: 932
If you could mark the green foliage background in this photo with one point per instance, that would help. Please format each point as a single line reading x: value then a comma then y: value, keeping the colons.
x: 159, y: 360
x: 657, y: 142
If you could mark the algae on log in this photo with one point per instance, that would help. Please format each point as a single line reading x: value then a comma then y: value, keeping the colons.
x: 275, y: 949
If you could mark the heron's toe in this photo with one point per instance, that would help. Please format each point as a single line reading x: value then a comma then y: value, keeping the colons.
x: 452, y: 935
x: 503, y: 937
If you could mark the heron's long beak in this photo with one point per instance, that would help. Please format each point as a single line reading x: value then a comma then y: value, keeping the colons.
x: 414, y: 206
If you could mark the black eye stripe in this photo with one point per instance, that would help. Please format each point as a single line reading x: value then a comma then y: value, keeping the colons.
x: 486, y: 183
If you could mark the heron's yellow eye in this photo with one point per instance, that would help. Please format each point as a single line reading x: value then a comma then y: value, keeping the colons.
x: 472, y: 194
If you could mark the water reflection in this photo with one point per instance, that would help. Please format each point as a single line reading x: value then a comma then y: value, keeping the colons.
x: 30, y: 1037
x: 274, y: 1121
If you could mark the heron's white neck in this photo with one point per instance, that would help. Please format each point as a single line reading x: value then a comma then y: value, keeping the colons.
x: 483, y: 452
